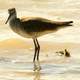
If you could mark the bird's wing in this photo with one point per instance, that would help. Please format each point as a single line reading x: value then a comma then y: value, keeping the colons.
x: 41, y: 24
x: 37, y: 24
x: 24, y: 19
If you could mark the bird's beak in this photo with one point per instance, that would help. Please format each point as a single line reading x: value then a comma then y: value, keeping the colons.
x: 8, y: 19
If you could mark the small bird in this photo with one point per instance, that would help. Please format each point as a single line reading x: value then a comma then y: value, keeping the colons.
x: 34, y: 28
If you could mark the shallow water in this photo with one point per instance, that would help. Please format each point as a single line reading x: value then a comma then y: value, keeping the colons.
x: 16, y: 64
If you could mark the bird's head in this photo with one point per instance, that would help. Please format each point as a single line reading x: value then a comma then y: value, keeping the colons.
x: 12, y: 12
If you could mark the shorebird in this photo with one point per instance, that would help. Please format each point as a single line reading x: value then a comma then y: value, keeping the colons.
x: 33, y: 28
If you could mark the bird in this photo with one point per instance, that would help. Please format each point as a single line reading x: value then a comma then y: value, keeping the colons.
x: 34, y: 28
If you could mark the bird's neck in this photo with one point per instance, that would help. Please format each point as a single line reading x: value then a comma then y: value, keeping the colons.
x: 13, y: 17
x: 13, y: 20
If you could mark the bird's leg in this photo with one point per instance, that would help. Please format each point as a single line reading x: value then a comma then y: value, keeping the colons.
x: 35, y: 67
x: 38, y: 47
x: 35, y: 50
x: 36, y: 55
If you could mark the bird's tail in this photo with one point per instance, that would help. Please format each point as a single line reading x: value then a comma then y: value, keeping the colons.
x: 67, y: 23
x: 62, y: 24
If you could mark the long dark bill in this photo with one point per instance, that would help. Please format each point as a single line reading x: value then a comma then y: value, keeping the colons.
x: 8, y: 19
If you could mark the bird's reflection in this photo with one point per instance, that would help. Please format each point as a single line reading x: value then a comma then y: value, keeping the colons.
x: 36, y: 75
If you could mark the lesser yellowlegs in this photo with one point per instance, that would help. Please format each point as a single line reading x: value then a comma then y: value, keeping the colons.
x: 33, y: 28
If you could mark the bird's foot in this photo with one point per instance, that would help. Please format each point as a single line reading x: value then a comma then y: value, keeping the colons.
x: 37, y: 68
